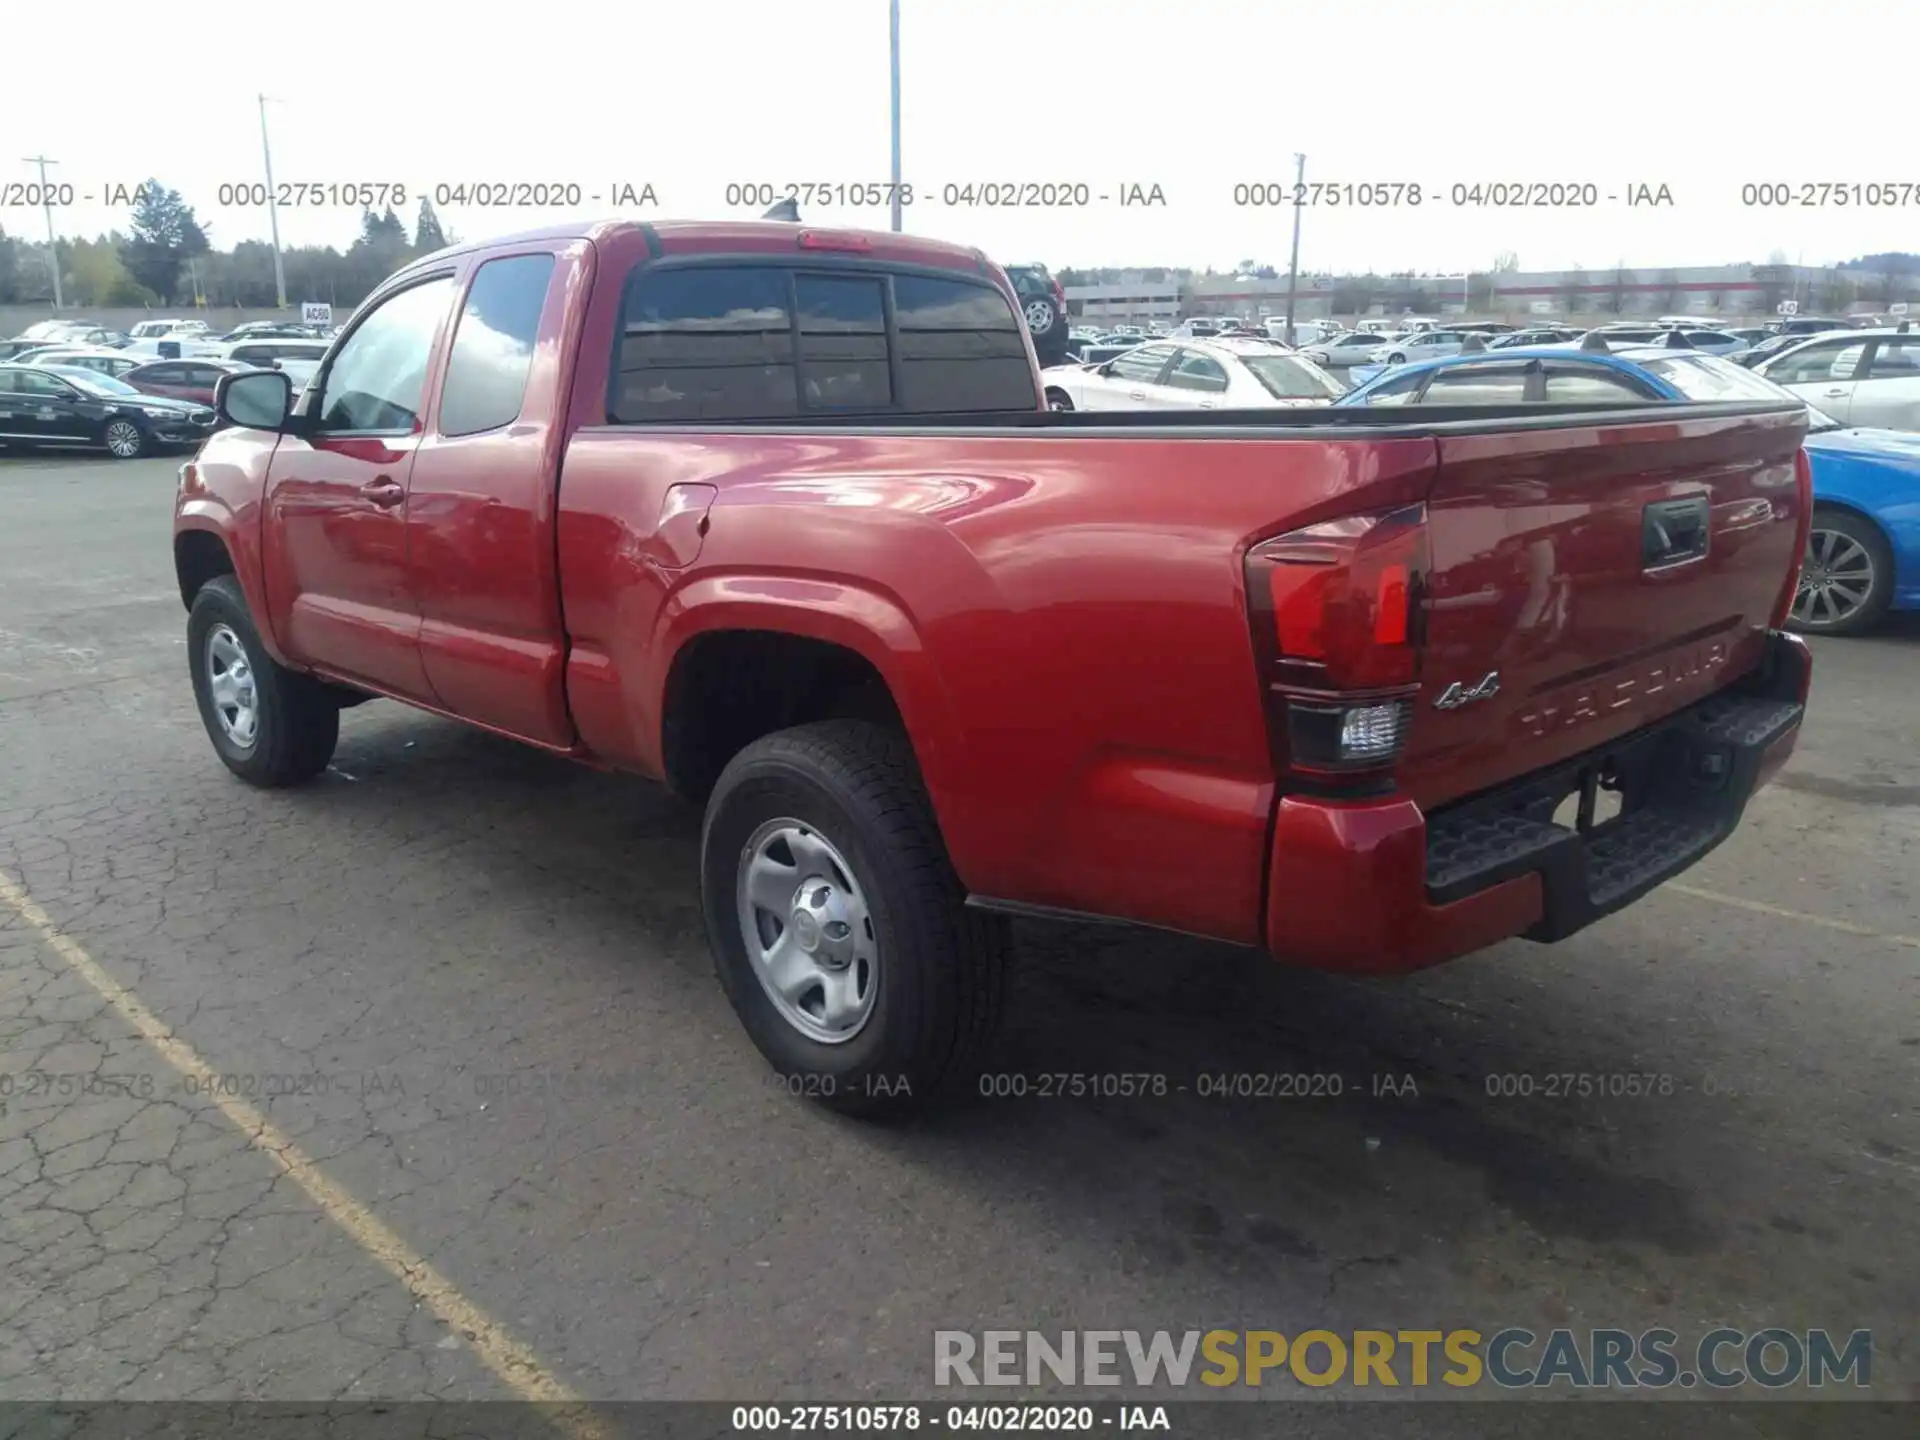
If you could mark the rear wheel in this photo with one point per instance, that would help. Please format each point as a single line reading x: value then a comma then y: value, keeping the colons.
x: 270, y: 725
x: 1846, y: 580
x: 837, y: 925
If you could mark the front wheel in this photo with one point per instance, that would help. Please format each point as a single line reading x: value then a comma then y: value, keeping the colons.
x: 837, y: 925
x: 1396, y: 359
x: 124, y: 439
x: 1846, y: 579
x: 1057, y: 400
x: 270, y: 725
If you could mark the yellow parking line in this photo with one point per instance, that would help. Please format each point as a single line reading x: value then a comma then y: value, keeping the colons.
x: 1760, y: 907
x: 517, y: 1366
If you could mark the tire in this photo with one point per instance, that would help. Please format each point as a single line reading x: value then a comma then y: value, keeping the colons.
x: 124, y: 439
x: 935, y: 972
x: 1041, y: 315
x: 296, y: 724
x: 1057, y: 400
x: 1847, y: 557
x: 1396, y: 359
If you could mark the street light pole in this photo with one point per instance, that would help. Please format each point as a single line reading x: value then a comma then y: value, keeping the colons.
x: 893, y: 17
x: 1293, y: 265
x: 46, y: 203
x: 273, y: 210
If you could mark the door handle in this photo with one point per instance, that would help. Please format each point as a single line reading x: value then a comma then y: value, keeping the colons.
x: 1206, y: 404
x: 1836, y: 394
x: 1136, y: 394
x: 385, y: 492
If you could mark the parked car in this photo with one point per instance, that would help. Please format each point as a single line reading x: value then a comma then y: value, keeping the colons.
x: 1550, y: 335
x: 68, y: 332
x: 1863, y: 548
x: 1043, y: 305
x: 168, y: 330
x: 72, y: 409
x: 1861, y: 377
x: 1197, y: 328
x: 104, y: 362
x: 1356, y: 347
x: 1193, y: 375
x: 887, y: 620
x: 272, y: 330
x: 1420, y: 345
x: 1811, y: 325
x: 172, y: 347
x: 193, y: 380
x: 1776, y: 345
x: 267, y: 353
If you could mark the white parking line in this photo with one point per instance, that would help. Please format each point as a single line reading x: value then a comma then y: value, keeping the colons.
x: 1760, y: 907
x: 517, y: 1367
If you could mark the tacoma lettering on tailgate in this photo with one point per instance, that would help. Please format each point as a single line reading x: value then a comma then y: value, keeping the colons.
x: 1616, y: 695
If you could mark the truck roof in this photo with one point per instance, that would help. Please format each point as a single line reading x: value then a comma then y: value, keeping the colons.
x: 695, y: 237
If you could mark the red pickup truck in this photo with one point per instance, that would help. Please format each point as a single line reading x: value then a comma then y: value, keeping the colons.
x: 777, y: 516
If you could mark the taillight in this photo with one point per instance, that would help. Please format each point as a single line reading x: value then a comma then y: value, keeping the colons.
x: 1803, y: 528
x: 1336, y: 610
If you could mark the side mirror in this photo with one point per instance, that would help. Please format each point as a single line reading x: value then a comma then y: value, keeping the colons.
x: 255, y: 400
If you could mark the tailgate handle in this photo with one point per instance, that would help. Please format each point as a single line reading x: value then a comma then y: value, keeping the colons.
x: 1673, y: 532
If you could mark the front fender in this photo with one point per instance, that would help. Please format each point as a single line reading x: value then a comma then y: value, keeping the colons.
x: 199, y: 511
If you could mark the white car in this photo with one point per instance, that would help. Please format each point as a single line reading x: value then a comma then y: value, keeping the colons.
x: 101, y: 361
x: 1193, y: 375
x: 1859, y: 377
x: 1421, y: 345
x: 1356, y: 347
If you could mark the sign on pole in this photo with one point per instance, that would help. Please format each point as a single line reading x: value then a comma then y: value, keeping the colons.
x: 1898, y: 308
x: 314, y: 312
x: 1787, y: 307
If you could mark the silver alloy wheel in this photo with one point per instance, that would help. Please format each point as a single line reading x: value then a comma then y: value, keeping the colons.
x: 230, y: 685
x: 1039, y: 316
x: 123, y: 439
x: 1835, y: 581
x: 808, y: 931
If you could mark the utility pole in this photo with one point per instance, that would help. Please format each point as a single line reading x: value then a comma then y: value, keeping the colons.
x: 1293, y: 265
x: 273, y: 211
x: 46, y: 203
x: 893, y: 9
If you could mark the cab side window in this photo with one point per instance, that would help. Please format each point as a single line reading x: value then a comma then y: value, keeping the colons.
x: 492, y: 351
x: 376, y: 381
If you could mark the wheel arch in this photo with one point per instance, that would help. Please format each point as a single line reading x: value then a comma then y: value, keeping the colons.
x: 814, y: 649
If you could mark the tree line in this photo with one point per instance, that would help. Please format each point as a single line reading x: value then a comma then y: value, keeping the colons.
x: 165, y: 257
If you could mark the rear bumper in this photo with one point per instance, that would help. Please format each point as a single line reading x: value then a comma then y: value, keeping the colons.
x: 1378, y: 886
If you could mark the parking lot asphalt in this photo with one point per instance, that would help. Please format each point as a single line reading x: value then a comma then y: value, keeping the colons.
x: 390, y: 1085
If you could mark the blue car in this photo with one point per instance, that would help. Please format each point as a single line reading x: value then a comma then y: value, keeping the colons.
x: 1863, y: 556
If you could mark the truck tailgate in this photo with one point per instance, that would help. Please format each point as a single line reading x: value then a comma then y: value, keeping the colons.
x: 1587, y: 581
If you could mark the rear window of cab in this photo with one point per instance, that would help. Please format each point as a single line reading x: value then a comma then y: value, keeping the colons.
x: 742, y: 341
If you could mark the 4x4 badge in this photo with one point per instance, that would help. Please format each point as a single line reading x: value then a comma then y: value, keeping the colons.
x: 1457, y: 695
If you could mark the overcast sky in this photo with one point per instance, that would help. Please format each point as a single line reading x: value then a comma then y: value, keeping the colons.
x: 1194, y: 96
